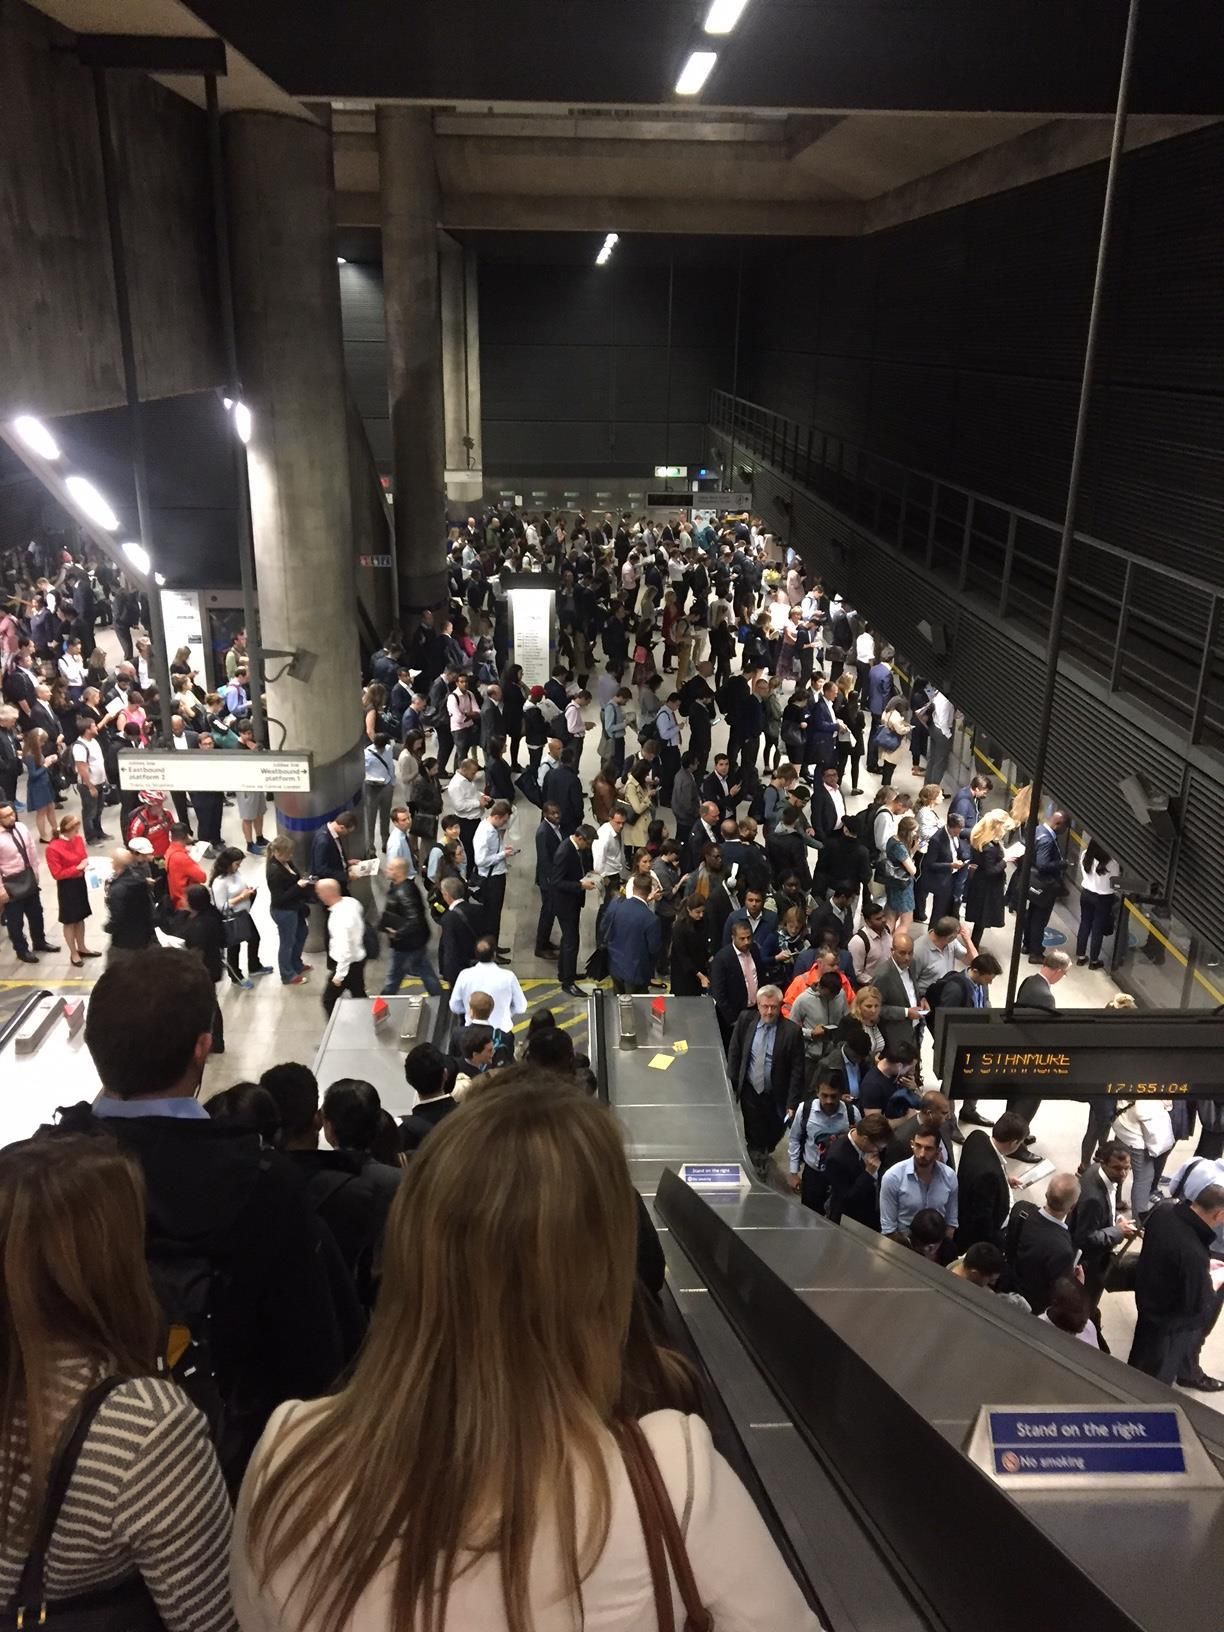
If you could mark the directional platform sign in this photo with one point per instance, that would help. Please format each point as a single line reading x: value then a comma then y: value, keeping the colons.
x: 1059, y: 1447
x: 1165, y: 1054
x: 714, y: 1175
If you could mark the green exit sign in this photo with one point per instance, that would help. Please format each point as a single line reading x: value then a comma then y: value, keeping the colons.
x: 667, y: 471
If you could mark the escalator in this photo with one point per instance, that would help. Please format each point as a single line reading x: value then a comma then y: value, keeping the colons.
x: 850, y: 1372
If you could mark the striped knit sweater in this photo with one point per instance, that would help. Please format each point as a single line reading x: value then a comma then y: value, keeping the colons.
x: 147, y: 1495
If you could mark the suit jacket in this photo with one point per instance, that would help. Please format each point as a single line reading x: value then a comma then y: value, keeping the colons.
x: 327, y: 858
x: 457, y: 946
x: 712, y: 790
x: 853, y: 1192
x: 562, y: 788
x: 1035, y: 993
x: 1049, y: 863
x: 492, y: 722
x: 570, y: 867
x: 984, y: 1195
x: 894, y: 1020
x: 698, y: 839
x: 764, y: 936
x: 727, y: 985
x: 633, y: 935
x: 964, y: 804
x: 788, y: 852
x: 824, y: 814
x: 1042, y: 1252
x: 1093, y: 1231
x: 941, y: 852
x: 499, y: 780
x: 547, y: 842
x: 825, y: 918
x: 786, y: 1074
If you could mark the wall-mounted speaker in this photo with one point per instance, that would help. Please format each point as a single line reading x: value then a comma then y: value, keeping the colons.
x: 1149, y: 808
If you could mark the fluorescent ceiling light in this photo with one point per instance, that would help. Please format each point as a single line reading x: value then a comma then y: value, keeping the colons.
x: 723, y: 15
x: 695, y: 72
x: 242, y: 420
x: 36, y: 436
x: 159, y: 579
x: 606, y: 248
x: 87, y: 498
x: 341, y: 261
x: 138, y: 556
x: 229, y: 403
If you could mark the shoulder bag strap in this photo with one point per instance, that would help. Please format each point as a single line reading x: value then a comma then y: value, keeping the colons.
x: 30, y: 1589
x: 660, y: 1525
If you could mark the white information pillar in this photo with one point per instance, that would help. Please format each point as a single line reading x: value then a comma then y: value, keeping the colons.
x: 183, y: 623
x: 533, y: 624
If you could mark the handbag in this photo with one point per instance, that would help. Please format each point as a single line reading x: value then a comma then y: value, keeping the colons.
x: 662, y: 1534
x: 886, y: 739
x: 20, y: 886
x: 128, y: 1605
x: 231, y: 927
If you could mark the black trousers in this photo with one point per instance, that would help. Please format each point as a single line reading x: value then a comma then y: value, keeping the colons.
x: 493, y: 894
x: 570, y: 919
x: 354, y: 984
x: 29, y: 911
x: 1040, y: 906
x: 467, y: 832
x: 814, y: 1188
x: 208, y: 808
x: 1025, y: 1105
x: 546, y: 920
x: 445, y: 744
x: 1164, y: 1354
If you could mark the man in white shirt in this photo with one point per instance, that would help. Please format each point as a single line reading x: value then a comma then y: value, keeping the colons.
x: 490, y: 852
x: 467, y: 801
x: 574, y: 722
x: 91, y: 777
x: 345, y: 943
x: 888, y: 815
x: 486, y: 976
x: 943, y: 719
x: 608, y: 851
x: 864, y: 657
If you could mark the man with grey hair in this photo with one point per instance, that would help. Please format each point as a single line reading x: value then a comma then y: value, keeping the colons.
x: 765, y: 1064
x: 1040, y: 1250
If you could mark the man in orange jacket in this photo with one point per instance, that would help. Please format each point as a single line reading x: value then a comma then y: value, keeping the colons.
x: 182, y: 870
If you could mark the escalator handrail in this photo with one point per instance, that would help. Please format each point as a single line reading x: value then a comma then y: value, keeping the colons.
x: 13, y: 1024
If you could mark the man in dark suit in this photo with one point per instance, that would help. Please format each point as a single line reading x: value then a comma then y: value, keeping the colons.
x: 1036, y: 997
x: 1095, y: 1226
x: 852, y: 1168
x: 492, y: 720
x: 697, y: 704
x: 327, y: 857
x: 548, y: 837
x: 462, y: 927
x: 985, y: 1187
x: 1173, y: 1295
x: 762, y: 924
x: 821, y: 728
x: 736, y: 973
x: 828, y: 806
x: 706, y: 831
x: 902, y: 1010
x: 1045, y: 878
x: 1039, y: 1246
x: 942, y: 867
x: 786, y: 847
x: 568, y: 886
x: 633, y: 936
x: 970, y: 801
x: 563, y: 789
x: 765, y: 1064
x: 10, y: 754
x: 721, y: 788
x: 837, y: 914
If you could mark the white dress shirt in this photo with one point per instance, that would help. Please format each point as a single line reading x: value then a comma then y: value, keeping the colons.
x: 489, y: 850
x: 464, y: 797
x: 397, y: 849
x: 345, y: 934
x: 608, y: 853
x: 574, y: 722
x: 943, y: 715
x: 501, y: 985
x: 864, y: 649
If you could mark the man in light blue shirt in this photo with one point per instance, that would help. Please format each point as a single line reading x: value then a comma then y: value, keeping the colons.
x: 814, y: 1126
x: 922, y: 1181
x: 398, y: 848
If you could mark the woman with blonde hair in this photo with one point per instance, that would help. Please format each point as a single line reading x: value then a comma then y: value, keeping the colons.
x: 142, y: 1527
x: 477, y: 1501
x: 987, y: 876
x: 865, y: 1008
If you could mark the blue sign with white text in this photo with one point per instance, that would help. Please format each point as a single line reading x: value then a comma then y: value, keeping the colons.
x: 713, y: 1175
x: 1075, y: 1442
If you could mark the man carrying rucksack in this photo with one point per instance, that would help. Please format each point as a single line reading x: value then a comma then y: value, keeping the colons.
x: 234, y: 1251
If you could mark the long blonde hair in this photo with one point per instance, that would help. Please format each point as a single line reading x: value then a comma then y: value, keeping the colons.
x: 990, y: 828
x: 490, y: 1373
x: 76, y: 1285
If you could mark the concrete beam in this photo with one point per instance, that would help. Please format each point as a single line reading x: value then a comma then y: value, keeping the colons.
x: 608, y: 125
x: 1050, y: 150
x: 804, y: 130
x: 510, y: 213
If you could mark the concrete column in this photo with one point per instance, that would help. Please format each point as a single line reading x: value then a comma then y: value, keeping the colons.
x: 291, y: 360
x: 410, y: 213
x: 461, y: 371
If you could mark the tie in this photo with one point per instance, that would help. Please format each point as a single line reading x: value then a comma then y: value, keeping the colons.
x: 978, y: 995
x: 748, y: 964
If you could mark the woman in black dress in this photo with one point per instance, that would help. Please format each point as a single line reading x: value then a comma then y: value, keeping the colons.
x: 67, y: 860
x: 690, y: 949
x: 514, y: 695
x: 984, y: 896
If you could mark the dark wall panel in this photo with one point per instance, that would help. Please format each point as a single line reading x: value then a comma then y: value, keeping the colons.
x: 954, y: 344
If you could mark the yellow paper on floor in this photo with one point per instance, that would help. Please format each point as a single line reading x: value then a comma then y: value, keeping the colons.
x: 660, y: 1062
x: 680, y: 1048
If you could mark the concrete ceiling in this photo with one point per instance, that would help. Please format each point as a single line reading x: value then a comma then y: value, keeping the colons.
x: 698, y: 170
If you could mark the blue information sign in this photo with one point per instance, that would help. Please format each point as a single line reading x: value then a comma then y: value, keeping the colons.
x: 1070, y: 1443
x: 713, y: 1175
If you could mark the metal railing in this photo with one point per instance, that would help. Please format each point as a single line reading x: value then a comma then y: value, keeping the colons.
x: 1135, y: 622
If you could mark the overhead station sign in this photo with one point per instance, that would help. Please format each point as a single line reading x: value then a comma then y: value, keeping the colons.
x: 1168, y: 1054
x: 224, y: 770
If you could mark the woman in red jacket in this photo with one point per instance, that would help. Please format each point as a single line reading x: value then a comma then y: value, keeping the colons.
x: 67, y: 858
